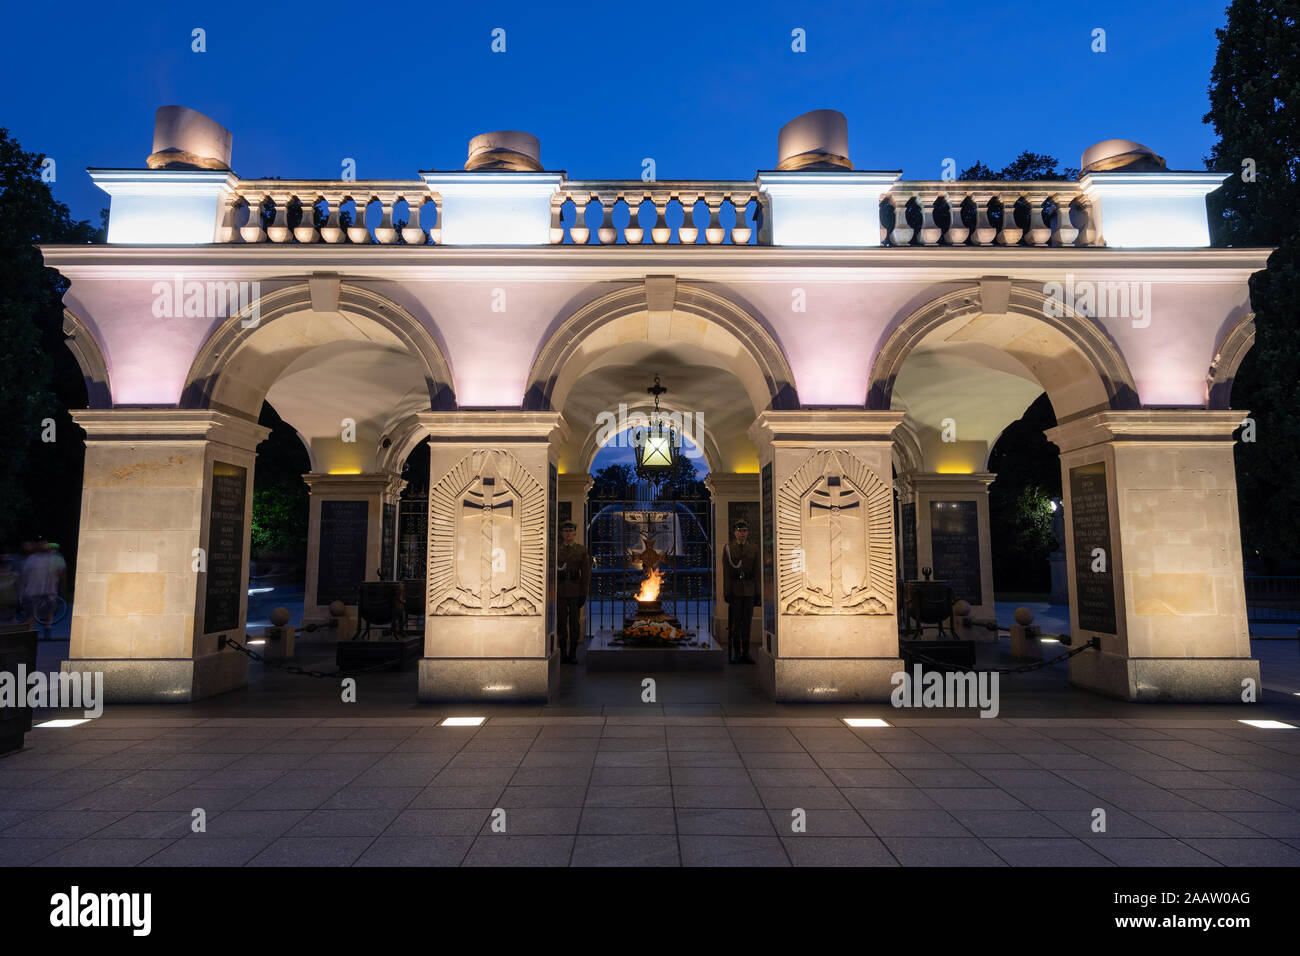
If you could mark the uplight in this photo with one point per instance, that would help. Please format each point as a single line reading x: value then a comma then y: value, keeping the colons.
x: 462, y: 721
x: 1048, y: 640
x: 259, y: 640
x: 1268, y: 724
x: 866, y: 722
x: 65, y: 722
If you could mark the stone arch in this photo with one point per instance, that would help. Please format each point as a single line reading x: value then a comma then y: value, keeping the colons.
x: 769, y: 380
x: 707, y: 444
x: 1228, y: 356
x: 85, y: 348
x: 203, y: 384
x: 1112, y: 387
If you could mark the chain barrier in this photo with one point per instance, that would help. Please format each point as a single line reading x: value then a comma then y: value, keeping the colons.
x: 305, y: 671
x: 1092, y: 644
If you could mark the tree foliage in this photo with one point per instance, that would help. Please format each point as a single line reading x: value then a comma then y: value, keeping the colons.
x: 1255, y: 110
x: 32, y: 354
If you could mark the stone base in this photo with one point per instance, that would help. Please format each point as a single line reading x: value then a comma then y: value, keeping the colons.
x: 602, y: 656
x: 467, y: 679
x: 1166, y: 679
x: 166, y: 680
x: 822, y: 680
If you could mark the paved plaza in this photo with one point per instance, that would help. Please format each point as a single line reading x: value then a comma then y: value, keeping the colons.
x: 714, y: 775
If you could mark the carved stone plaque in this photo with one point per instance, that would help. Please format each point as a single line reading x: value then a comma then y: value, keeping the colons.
x: 487, y: 540
x: 836, y: 547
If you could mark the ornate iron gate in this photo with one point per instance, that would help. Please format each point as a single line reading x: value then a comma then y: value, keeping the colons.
x: 681, y: 528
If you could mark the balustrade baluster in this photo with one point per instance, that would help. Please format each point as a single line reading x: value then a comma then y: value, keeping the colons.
x: 1010, y: 233
x: 985, y: 231
x: 687, y: 233
x: 332, y: 230
x: 930, y: 230
x: 357, y: 232
x: 579, y: 230
x: 741, y: 232
x: 714, y: 233
x: 958, y: 231
x: 306, y: 230
x: 385, y: 232
x: 606, y: 232
x: 634, y: 234
x: 660, y: 233
x: 279, y: 230
x: 1040, y: 232
x: 411, y: 232
x: 252, y: 230
x: 1065, y: 233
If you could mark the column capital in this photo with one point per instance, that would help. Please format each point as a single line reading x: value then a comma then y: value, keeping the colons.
x: 930, y: 483
x: 499, y: 425
x: 730, y: 483
x: 169, y: 424
x: 822, y: 426
x: 374, y: 483
x: 1175, y: 425
x: 575, y: 484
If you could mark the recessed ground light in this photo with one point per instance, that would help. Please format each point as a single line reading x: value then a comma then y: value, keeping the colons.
x: 1048, y: 640
x: 257, y: 641
x: 260, y: 590
x: 1268, y: 724
x: 462, y: 721
x: 65, y: 722
x: 866, y: 722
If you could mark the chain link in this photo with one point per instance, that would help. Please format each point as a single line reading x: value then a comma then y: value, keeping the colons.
x: 305, y: 671
x: 1092, y: 644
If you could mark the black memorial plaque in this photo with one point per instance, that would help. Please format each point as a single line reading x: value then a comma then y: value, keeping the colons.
x: 552, y: 529
x: 225, y: 574
x: 1090, y: 522
x: 388, y: 542
x: 769, y: 551
x: 342, y: 565
x: 908, y: 534
x: 955, y: 547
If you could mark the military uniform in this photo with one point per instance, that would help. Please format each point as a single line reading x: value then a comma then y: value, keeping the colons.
x: 740, y: 589
x: 573, y: 582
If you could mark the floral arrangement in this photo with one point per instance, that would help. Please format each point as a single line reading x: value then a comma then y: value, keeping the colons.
x: 652, y: 634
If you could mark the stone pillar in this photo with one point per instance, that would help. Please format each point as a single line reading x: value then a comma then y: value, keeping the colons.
x: 162, y: 558
x: 826, y: 478
x: 573, y: 490
x: 1154, y: 493
x: 952, y: 511
x: 490, y: 630
x: 344, y: 537
x: 726, y: 488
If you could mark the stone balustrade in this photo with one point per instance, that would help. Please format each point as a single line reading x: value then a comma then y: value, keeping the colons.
x: 632, y: 212
x: 578, y: 204
x: 973, y: 213
x: 359, y: 212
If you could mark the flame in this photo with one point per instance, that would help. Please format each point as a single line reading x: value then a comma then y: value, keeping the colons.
x: 650, y: 586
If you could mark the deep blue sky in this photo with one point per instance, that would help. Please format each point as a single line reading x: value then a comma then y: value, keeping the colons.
x: 700, y: 87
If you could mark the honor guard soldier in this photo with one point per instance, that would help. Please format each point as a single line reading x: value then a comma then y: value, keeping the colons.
x: 740, y: 591
x: 573, y: 581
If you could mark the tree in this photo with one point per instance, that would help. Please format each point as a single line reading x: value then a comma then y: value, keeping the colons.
x: 1028, y: 467
x: 40, y: 380
x: 1255, y: 110
x: 1027, y: 167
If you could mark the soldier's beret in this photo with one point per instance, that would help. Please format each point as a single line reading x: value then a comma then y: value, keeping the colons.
x: 741, y: 525
x: 568, y: 526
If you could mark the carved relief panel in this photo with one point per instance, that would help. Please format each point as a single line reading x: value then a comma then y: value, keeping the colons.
x: 487, y: 541
x: 835, y: 551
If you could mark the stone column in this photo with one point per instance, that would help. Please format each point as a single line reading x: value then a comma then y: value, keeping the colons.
x: 344, y: 537
x: 162, y: 559
x: 490, y: 630
x: 726, y: 488
x: 1154, y: 549
x: 954, y: 507
x: 826, y: 478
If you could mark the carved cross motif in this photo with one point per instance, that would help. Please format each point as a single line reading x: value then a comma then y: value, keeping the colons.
x: 496, y: 507
x: 825, y: 506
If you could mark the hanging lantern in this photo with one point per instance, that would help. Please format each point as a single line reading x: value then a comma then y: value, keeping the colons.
x: 654, y: 444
